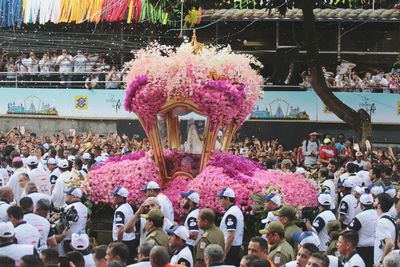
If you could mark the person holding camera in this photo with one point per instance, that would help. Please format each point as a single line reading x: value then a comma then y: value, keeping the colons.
x: 122, y: 215
x: 76, y: 220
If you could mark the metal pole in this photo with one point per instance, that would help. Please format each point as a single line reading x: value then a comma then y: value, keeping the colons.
x: 373, y: 5
x: 277, y: 35
x: 216, y: 33
x: 339, y: 42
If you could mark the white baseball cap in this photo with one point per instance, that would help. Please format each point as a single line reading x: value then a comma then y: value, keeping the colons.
x: 74, y: 192
x: 6, y: 229
x: 324, y: 199
x: 376, y: 190
x: 71, y: 158
x: 390, y: 191
x: 63, y: 164
x: 151, y: 185
x: 192, y: 195
x: 32, y: 160
x: 51, y: 161
x: 46, y: 146
x: 347, y: 183
x: 366, y: 199
x: 359, y: 190
x: 300, y: 170
x: 227, y: 192
x: 306, y: 237
x: 86, y: 156
x: 80, y: 241
x: 120, y: 191
x: 274, y: 198
x: 179, y: 231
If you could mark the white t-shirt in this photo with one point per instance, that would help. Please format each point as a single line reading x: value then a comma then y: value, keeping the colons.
x: 89, y: 261
x: 3, y: 211
x: 332, y: 190
x: 42, y: 225
x: 65, y: 63
x: 57, y: 196
x: 320, y: 227
x: 192, y: 226
x: 364, y: 175
x: 365, y: 223
x: 13, y: 183
x: 80, y: 64
x: 290, y: 264
x: 80, y: 225
x: 166, y: 206
x: 121, y: 217
x: 384, y: 229
x: 27, y: 234
x: 354, y: 261
x: 39, y: 177
x: 347, y: 207
x: 233, y: 221
x: 35, y: 196
x: 17, y: 251
x: 4, y: 176
x: 183, y: 256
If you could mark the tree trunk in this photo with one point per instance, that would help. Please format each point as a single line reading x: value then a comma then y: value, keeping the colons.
x: 360, y: 120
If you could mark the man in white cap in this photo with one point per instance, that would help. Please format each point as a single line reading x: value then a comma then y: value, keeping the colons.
x: 232, y: 225
x: 391, y: 191
x: 320, y: 223
x: 80, y: 243
x: 38, y: 175
x: 365, y: 223
x: 359, y: 160
x: 272, y: 202
x: 57, y: 196
x: 181, y: 254
x: 347, y: 205
x: 311, y: 149
x: 73, y: 199
x: 53, y: 171
x: 152, y: 189
x: 86, y: 157
x: 122, y: 215
x: 9, y: 248
x: 191, y: 201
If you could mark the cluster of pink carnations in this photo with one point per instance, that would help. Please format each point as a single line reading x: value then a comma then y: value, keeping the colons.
x: 216, y: 79
x: 242, y: 175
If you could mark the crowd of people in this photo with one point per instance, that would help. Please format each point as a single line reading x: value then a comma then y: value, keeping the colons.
x: 348, y: 79
x: 43, y: 221
x: 83, y: 70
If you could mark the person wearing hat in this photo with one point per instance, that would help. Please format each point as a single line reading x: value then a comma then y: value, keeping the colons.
x: 302, y: 238
x: 53, y: 172
x: 280, y: 251
x: 327, y: 185
x: 122, y: 215
x: 181, y: 253
x: 303, y: 255
x: 9, y: 248
x: 6, y: 197
x: 310, y: 150
x: 392, y: 192
x: 365, y: 224
x: 347, y: 245
x: 334, y: 230
x: 287, y: 216
x: 272, y: 202
x: 359, y: 160
x: 57, y: 196
x: 211, y: 235
x: 327, y: 152
x: 232, y: 225
x: 191, y: 201
x: 348, y: 204
x: 81, y: 243
x: 38, y: 176
x: 86, y: 157
x: 325, y: 215
x: 19, y: 168
x: 154, y: 228
x: 73, y: 199
x: 152, y: 189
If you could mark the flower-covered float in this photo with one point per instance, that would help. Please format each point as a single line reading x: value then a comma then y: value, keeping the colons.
x: 191, y: 100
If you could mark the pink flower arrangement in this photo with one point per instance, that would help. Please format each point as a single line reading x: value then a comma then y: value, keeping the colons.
x: 244, y: 176
x: 216, y: 79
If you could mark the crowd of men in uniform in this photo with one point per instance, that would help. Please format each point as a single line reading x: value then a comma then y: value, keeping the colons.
x: 355, y: 224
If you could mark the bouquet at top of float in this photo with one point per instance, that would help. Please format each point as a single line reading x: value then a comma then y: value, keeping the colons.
x: 222, y: 84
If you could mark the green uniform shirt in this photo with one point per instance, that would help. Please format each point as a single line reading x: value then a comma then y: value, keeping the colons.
x: 213, y: 235
x: 281, y: 253
x: 159, y: 237
x: 290, y: 229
